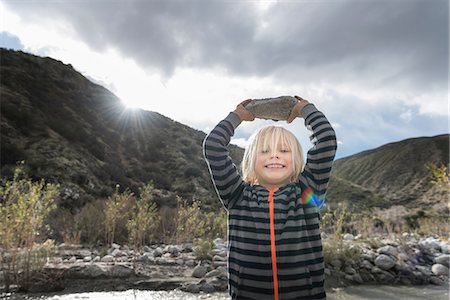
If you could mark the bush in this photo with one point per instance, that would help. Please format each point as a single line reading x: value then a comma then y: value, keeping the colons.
x: 24, y: 207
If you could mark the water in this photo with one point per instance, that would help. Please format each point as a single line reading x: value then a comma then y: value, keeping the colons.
x: 361, y: 292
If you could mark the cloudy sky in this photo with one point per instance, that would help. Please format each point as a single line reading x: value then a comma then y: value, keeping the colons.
x: 377, y: 68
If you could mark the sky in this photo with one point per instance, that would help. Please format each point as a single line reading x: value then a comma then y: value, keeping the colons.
x: 378, y: 69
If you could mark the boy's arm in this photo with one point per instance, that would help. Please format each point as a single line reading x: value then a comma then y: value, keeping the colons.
x: 227, y: 181
x: 320, y: 157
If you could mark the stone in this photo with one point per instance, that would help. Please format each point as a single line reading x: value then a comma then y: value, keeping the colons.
x: 117, y: 253
x: 121, y: 271
x: 218, y: 258
x: 272, y: 108
x: 147, y: 249
x: 199, y: 272
x: 115, y: 246
x: 57, y: 260
x: 439, y: 269
x: 366, y: 264
x: 349, y: 270
x: 384, y: 262
x: 73, y: 260
x: 388, y: 250
x: 84, y: 253
x: 424, y: 270
x: 192, y: 288
x: 107, y: 258
x: 87, y: 259
x: 357, y: 278
x: 213, y: 273
x: 96, y: 259
x: 443, y: 260
x: 190, y: 263
x: 207, y: 288
x: 158, y: 252
x: 336, y: 263
x: 348, y: 237
x: 436, y: 280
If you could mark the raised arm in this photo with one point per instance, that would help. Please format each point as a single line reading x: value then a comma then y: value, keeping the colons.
x: 319, y: 160
x: 226, y: 179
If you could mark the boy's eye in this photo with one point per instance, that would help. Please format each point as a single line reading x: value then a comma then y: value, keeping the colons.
x: 264, y: 151
x: 285, y: 150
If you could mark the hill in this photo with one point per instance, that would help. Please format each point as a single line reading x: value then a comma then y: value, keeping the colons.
x: 76, y: 133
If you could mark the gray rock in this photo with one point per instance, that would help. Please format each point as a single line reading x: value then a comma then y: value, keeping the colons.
x: 443, y: 260
x: 213, y: 273
x: 72, y: 260
x: 96, y: 259
x: 436, y: 280
x: 158, y: 252
x: 336, y: 263
x: 272, y: 108
x: 115, y: 246
x: 147, y: 249
x: 348, y: 237
x: 218, y: 258
x: 117, y: 253
x: 57, y: 260
x: 199, y: 272
x: 425, y: 270
x: 121, y: 271
x: 84, y: 253
x: 192, y: 288
x: 87, y: 259
x: 439, y: 269
x: 349, y: 270
x: 384, y: 262
x: 357, y: 278
x: 190, y: 263
x: 107, y: 258
x: 388, y: 250
x: 207, y: 288
x: 366, y: 264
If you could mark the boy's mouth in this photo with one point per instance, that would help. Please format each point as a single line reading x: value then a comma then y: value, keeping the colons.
x: 274, y: 166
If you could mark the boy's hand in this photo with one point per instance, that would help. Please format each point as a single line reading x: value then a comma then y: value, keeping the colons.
x: 297, y: 110
x: 243, y: 113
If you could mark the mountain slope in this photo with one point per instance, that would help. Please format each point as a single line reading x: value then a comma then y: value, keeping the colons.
x: 74, y: 132
x: 393, y: 174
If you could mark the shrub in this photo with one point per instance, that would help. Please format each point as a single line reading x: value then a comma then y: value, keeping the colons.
x: 116, y: 214
x: 24, y: 207
x: 144, y: 220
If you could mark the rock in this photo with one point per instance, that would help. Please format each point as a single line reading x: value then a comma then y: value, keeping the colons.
x: 56, y: 260
x: 219, y: 258
x: 366, y: 264
x: 388, y: 250
x: 89, y: 271
x: 190, y: 263
x: 439, y: 269
x: 443, y: 260
x: 96, y: 259
x: 87, y: 259
x: 199, y: 272
x: 436, y: 280
x: 115, y: 246
x: 323, y: 235
x: 384, y: 262
x: 207, y: 288
x: 357, y: 278
x: 107, y: 258
x: 336, y: 263
x: 327, y: 272
x: 349, y: 270
x: 191, y: 288
x: 158, y: 252
x: 348, y: 237
x: 425, y: 270
x: 121, y: 271
x: 117, y: 253
x: 73, y: 260
x: 348, y: 277
x: 272, y: 108
x: 147, y: 249
x: 84, y: 253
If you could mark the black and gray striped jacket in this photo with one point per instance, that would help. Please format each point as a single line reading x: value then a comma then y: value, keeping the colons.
x: 299, y: 258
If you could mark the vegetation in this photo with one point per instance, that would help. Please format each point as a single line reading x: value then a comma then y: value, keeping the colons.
x: 24, y: 208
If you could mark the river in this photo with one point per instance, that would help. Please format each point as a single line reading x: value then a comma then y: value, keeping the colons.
x: 360, y: 292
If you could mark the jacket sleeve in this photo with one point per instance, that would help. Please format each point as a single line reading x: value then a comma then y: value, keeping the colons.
x: 226, y: 179
x: 320, y: 157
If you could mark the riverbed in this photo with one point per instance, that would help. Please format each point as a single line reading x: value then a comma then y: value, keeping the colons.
x: 360, y: 292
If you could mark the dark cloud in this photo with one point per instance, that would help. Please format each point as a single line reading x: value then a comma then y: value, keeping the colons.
x: 381, y: 42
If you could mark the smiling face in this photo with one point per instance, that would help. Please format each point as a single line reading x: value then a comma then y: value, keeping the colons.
x: 273, y: 167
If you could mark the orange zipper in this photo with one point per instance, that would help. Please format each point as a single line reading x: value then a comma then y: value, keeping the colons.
x: 273, y: 248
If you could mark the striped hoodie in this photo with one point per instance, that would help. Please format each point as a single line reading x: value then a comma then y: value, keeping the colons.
x: 274, y: 243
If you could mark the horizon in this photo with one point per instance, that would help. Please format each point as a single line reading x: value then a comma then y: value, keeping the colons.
x: 379, y: 77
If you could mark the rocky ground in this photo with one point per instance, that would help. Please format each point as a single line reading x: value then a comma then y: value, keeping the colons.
x: 407, y: 260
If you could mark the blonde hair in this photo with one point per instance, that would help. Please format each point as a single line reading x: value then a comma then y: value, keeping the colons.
x: 271, y: 137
